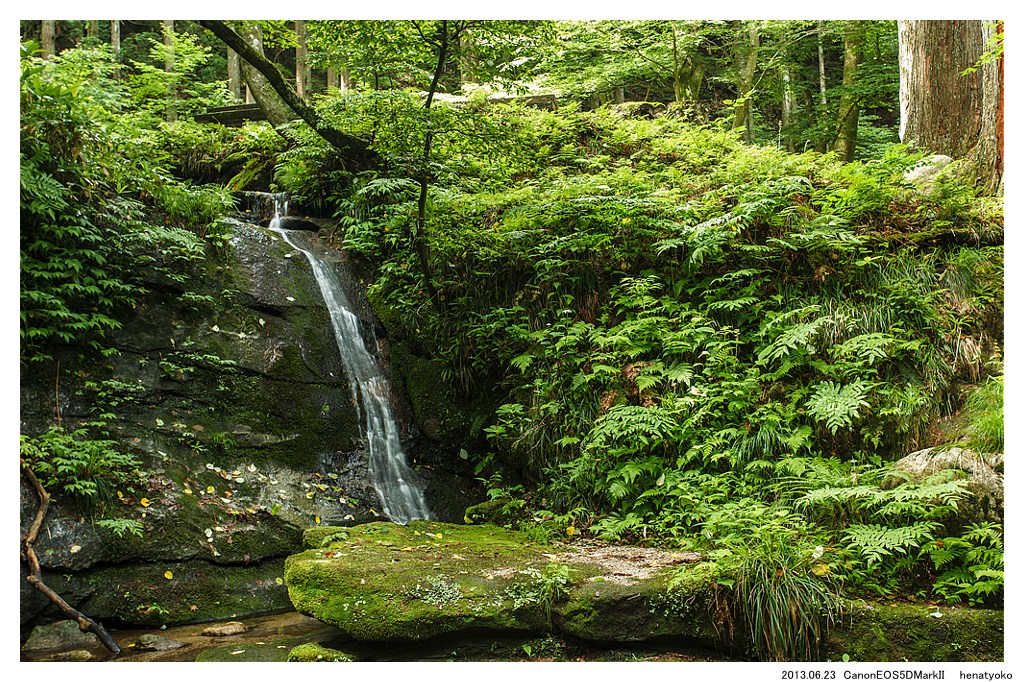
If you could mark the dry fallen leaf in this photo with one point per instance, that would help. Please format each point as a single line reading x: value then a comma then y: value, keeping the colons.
x: 144, y: 502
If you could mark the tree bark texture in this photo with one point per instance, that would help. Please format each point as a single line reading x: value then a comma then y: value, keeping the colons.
x: 849, y: 104
x: 940, y: 109
x: 168, y: 28
x: 115, y: 45
x: 985, y: 161
x: 747, y: 67
x: 302, y: 71
x: 234, y: 75
x: 48, y: 40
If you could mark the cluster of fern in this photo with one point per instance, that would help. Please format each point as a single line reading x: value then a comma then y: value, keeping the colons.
x: 676, y: 324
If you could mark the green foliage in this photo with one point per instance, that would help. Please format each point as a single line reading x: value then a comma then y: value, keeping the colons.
x: 121, y: 527
x: 86, y: 470
x: 984, y: 411
x: 545, y: 588
x: 970, y: 566
x: 686, y: 337
x: 786, y: 601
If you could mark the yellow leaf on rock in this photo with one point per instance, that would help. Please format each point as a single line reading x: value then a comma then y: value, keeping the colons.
x: 168, y: 575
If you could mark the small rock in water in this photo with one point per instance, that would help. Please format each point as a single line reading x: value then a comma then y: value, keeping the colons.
x: 150, y: 642
x: 59, y: 635
x: 225, y: 629
x: 76, y: 655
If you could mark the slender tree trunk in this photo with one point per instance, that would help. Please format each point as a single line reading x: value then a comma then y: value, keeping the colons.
x: 822, y: 86
x: 234, y: 75
x: 302, y: 71
x: 849, y: 104
x: 747, y: 64
x: 115, y: 45
x: 332, y: 78
x: 48, y: 41
x: 268, y: 76
x: 168, y: 27
x: 259, y: 87
x: 419, y: 234
x: 92, y: 29
x: 788, y: 105
x: 467, y: 59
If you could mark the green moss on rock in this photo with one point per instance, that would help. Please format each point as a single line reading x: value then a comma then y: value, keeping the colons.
x: 313, y: 652
x: 906, y: 632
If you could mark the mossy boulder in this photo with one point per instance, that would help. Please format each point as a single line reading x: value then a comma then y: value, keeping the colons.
x: 908, y: 632
x: 382, y: 582
x: 316, y: 653
x: 171, y: 592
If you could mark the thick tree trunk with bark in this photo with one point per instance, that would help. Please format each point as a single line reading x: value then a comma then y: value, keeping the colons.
x: 849, y: 104
x: 939, y: 107
x: 942, y: 108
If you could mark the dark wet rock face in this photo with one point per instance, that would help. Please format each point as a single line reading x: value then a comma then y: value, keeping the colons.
x: 234, y: 399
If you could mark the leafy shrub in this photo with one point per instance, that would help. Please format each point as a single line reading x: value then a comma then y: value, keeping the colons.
x: 88, y: 471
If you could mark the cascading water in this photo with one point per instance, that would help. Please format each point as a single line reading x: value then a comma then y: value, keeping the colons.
x: 392, y: 477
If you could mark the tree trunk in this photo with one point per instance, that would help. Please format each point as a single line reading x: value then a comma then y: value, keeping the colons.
x: 418, y: 234
x: 302, y: 71
x: 262, y: 72
x: 821, y: 66
x: 940, y: 109
x: 788, y: 105
x: 849, y: 104
x: 234, y: 75
x: 92, y: 29
x: 260, y: 88
x: 48, y: 41
x: 168, y: 28
x: 115, y: 45
x: 747, y: 66
x: 985, y: 161
x: 467, y: 60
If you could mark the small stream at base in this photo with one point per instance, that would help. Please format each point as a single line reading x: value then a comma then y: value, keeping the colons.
x: 270, y: 638
x: 394, y: 480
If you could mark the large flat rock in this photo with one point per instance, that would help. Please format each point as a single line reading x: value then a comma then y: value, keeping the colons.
x: 382, y: 582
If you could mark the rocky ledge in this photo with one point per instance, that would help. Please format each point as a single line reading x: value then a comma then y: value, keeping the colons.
x: 381, y: 582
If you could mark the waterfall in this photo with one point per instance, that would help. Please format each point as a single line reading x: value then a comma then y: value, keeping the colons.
x: 393, y: 479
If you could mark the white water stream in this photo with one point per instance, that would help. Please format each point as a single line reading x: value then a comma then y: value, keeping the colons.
x: 393, y: 479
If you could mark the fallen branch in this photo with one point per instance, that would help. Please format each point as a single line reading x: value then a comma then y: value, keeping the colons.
x: 85, y: 624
